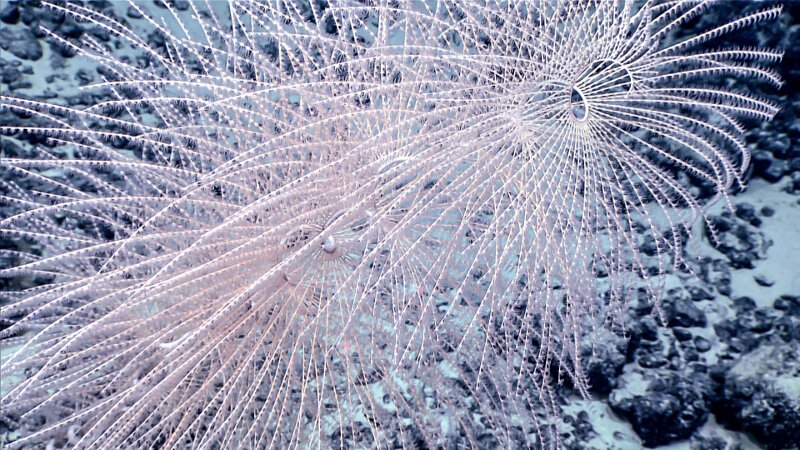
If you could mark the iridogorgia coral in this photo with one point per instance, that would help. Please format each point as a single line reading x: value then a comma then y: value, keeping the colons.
x: 289, y: 224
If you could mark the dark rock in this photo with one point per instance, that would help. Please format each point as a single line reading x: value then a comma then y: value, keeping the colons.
x: 58, y: 62
x: 100, y: 33
x: 654, y: 346
x: 48, y: 94
x: 701, y: 344
x: 689, y: 355
x: 681, y: 334
x: 63, y: 49
x: 100, y: 4
x: 581, y: 426
x: 83, y: 98
x: 604, y: 366
x: 133, y: 13
x: 84, y: 77
x: 20, y: 84
x: 180, y: 5
x: 649, y: 246
x: 671, y: 409
x: 70, y: 29
x: 21, y: 43
x: 746, y: 211
x: 10, y: 119
x: 38, y: 31
x: 739, y: 241
x: 767, y: 211
x: 708, y: 443
x: 718, y: 274
x: 788, y: 328
x: 743, y: 343
x: 794, y: 164
x: 641, y: 304
x: 760, y: 396
x: 28, y: 14
x: 779, y: 145
x: 725, y: 330
x: 763, y: 281
x: 649, y: 360
x: 647, y: 329
x: 722, y: 224
x: 776, y: 171
x: 156, y: 40
x: 794, y: 186
x: 10, y: 74
x: 760, y: 162
x: 684, y: 313
x: 10, y: 149
x: 748, y: 329
x: 10, y: 14
x: 699, y: 293
x: 759, y: 321
x: 788, y: 303
x: 744, y: 304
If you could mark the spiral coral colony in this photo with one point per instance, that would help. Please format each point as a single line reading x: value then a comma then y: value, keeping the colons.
x: 291, y: 224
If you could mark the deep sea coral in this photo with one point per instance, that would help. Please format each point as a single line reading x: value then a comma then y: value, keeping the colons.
x: 288, y: 224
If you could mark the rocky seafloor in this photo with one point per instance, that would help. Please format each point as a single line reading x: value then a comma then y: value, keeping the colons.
x: 723, y: 372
